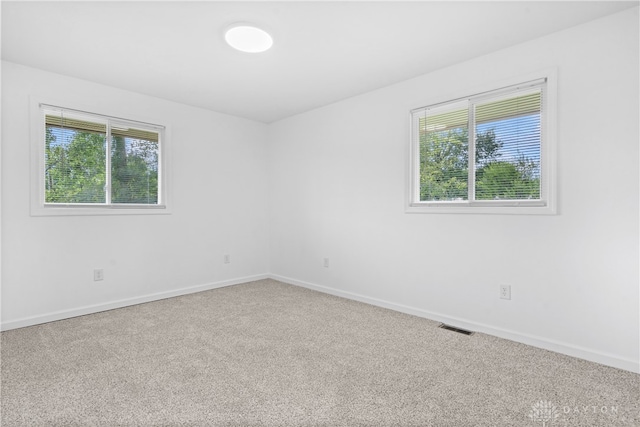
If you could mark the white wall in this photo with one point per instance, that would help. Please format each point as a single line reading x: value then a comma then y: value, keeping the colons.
x: 218, y: 207
x: 337, y: 184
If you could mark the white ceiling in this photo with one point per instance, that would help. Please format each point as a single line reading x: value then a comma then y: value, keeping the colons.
x: 323, y: 52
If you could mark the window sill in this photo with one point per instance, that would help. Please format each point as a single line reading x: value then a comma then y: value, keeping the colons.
x: 488, y: 209
x: 92, y: 210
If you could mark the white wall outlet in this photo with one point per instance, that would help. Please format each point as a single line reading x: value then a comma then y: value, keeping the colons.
x: 98, y: 274
x: 227, y: 259
x: 505, y: 291
x: 326, y: 263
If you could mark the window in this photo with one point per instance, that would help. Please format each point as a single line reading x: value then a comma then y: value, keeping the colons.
x: 91, y: 163
x: 484, y: 153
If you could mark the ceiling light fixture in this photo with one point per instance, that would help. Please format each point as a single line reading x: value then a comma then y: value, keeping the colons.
x: 248, y: 38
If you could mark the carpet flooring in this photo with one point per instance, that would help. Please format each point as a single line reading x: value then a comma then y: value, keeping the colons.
x: 270, y: 354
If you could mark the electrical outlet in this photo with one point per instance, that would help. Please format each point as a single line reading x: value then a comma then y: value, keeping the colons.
x: 505, y: 291
x: 227, y: 259
x: 326, y: 263
x: 98, y: 274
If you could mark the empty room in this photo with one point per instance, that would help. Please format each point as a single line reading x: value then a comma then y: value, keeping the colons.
x: 327, y: 213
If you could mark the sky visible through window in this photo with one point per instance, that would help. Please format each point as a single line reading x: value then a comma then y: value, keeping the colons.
x: 520, y: 136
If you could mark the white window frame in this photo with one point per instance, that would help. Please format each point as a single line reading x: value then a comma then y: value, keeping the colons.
x: 547, y: 203
x: 38, y: 107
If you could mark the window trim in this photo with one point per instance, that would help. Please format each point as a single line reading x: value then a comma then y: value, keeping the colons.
x: 546, y: 206
x: 38, y: 207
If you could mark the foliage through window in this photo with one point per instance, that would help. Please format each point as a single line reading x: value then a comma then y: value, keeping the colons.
x: 97, y: 160
x: 484, y: 150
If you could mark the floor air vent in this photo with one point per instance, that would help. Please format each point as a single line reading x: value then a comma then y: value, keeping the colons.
x: 454, y: 329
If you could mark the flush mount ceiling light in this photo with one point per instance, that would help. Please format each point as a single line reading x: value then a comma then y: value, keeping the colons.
x: 248, y: 38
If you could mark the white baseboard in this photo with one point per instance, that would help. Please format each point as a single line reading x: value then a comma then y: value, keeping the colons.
x: 95, y: 308
x: 544, y: 343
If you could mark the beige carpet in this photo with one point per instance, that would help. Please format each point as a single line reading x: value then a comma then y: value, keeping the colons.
x: 271, y: 354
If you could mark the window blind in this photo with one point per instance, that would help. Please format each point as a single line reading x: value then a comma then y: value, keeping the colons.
x: 506, y: 130
x: 513, y: 171
x: 67, y: 121
x: 94, y: 159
